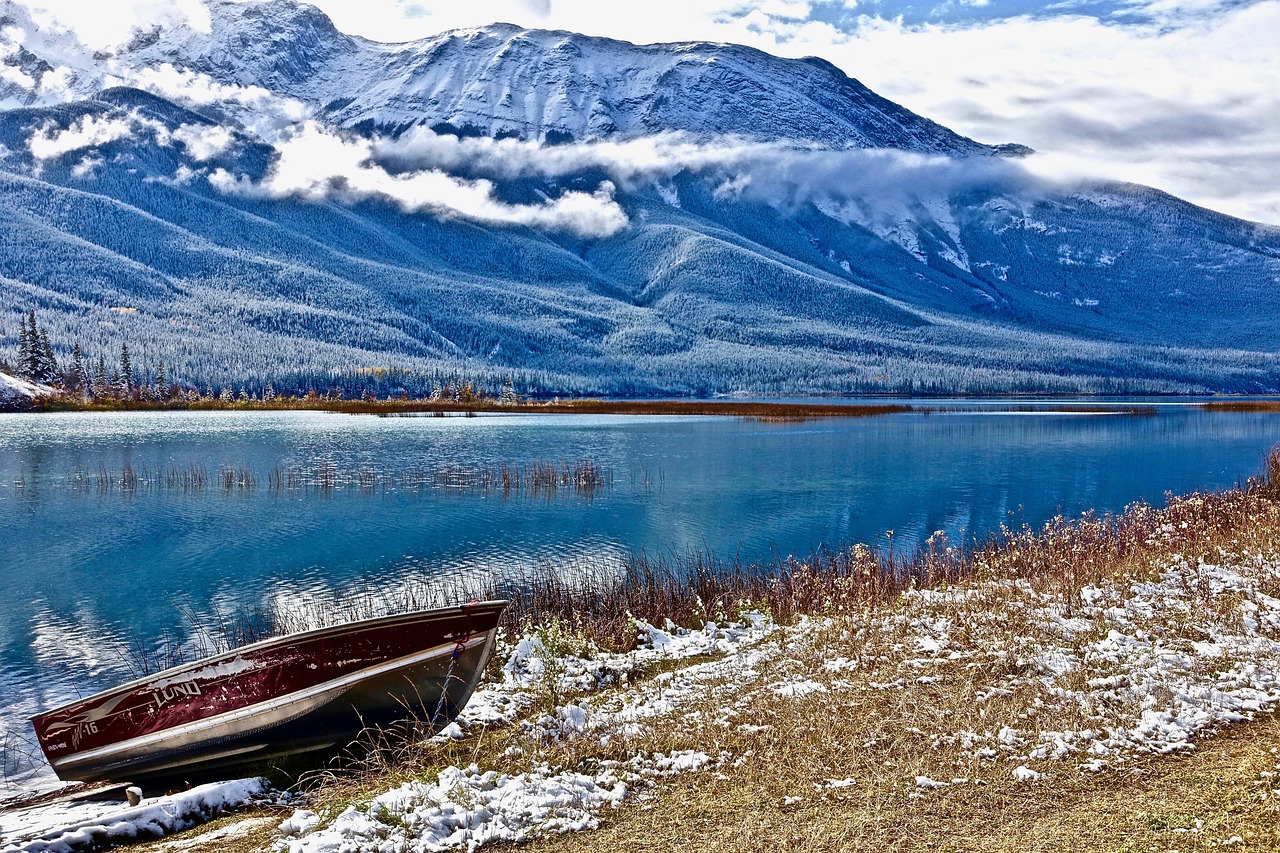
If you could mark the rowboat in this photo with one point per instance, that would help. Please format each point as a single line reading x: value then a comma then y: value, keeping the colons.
x: 308, y: 692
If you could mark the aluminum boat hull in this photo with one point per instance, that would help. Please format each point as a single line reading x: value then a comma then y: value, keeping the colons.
x: 310, y: 692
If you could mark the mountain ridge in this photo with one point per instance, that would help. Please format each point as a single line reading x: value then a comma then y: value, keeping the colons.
x: 798, y: 259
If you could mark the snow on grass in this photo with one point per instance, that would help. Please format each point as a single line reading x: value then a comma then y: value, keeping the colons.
x: 94, y: 824
x: 466, y: 807
x: 1079, y: 680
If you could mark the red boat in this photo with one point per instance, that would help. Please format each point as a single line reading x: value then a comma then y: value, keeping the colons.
x: 306, y: 692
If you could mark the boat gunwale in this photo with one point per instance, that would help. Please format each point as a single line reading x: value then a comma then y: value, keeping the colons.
x: 311, y: 633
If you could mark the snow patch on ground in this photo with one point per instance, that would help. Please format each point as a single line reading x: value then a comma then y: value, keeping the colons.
x: 93, y: 825
x: 18, y: 393
x: 467, y: 808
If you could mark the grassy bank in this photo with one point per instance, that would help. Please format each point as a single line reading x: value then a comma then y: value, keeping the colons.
x: 1095, y: 684
x: 1242, y: 406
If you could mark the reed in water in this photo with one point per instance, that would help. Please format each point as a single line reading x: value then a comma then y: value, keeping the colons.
x: 583, y: 478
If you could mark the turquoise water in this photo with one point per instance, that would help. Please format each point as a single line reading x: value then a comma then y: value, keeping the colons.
x: 92, y: 567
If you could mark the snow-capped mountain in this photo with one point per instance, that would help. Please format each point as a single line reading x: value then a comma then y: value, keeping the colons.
x: 504, y: 80
x: 275, y: 198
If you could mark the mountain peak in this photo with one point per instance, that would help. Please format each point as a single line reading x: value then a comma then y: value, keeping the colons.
x: 506, y: 80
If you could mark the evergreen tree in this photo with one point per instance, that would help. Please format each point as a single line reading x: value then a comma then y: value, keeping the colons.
x: 162, y: 383
x: 74, y: 379
x: 100, y: 387
x: 46, y: 363
x: 33, y: 346
x: 126, y: 369
x: 508, y: 396
x: 270, y: 392
x: 23, y: 367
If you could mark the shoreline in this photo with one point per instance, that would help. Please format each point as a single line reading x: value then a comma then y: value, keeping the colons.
x: 763, y: 410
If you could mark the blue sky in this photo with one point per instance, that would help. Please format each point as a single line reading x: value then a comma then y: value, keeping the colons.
x: 1183, y: 95
x: 968, y: 12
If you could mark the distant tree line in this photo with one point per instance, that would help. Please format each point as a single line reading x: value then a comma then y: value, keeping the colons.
x: 89, y: 379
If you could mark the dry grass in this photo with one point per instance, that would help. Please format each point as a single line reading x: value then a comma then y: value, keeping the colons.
x: 1242, y: 406
x: 1215, y: 794
x: 244, y: 832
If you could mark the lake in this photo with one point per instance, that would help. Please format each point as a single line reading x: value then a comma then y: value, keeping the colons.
x: 122, y: 530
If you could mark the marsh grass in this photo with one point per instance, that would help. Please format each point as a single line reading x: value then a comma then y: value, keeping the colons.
x: 1060, y: 556
x: 1242, y: 406
x: 599, y: 597
x: 537, y: 479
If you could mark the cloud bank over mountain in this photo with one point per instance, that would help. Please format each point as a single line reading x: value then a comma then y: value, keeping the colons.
x: 1176, y: 95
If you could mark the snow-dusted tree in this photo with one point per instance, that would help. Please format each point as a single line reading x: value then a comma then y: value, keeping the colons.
x: 75, y: 380
x: 24, y: 366
x: 46, y: 362
x: 36, y: 360
x: 162, y: 383
x: 126, y: 369
x: 508, y: 397
x: 101, y: 387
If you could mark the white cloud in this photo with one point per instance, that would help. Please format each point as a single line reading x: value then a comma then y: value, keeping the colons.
x: 16, y: 77
x: 87, y: 167
x: 628, y: 161
x: 93, y: 131
x: 204, y: 142
x: 874, y: 188
x: 786, y: 173
x: 1191, y: 110
x: 105, y: 24
x: 87, y: 132
x: 261, y: 111
x: 317, y: 164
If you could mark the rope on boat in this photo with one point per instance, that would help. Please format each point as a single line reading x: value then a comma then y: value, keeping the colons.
x: 458, y: 649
